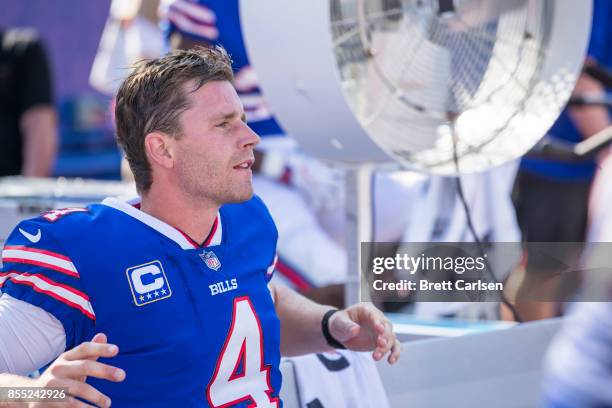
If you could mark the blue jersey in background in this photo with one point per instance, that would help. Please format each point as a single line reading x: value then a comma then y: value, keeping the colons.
x: 600, y: 49
x: 218, y: 22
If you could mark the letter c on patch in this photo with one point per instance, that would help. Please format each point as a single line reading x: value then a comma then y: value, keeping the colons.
x: 137, y: 275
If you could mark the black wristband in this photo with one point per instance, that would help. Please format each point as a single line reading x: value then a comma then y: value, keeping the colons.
x: 325, y: 329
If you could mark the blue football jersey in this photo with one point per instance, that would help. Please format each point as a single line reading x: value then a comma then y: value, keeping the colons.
x: 195, y: 324
x: 218, y: 22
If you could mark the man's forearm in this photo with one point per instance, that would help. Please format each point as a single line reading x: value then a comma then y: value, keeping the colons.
x: 589, y: 119
x: 39, y: 128
x: 300, y: 322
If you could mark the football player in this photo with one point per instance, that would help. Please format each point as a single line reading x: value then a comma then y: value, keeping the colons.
x: 177, y: 279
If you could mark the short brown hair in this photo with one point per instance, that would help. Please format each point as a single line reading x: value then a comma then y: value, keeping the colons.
x: 153, y: 97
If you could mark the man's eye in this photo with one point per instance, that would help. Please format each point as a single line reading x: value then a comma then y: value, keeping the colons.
x: 223, y: 125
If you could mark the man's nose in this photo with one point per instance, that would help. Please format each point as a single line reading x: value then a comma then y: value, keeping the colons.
x: 250, y: 137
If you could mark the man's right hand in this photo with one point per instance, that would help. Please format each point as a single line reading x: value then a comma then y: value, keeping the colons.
x: 70, y: 370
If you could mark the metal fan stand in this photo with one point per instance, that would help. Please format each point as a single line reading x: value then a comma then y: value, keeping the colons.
x: 359, y: 227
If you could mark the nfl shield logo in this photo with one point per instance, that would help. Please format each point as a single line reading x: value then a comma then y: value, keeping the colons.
x: 211, y: 260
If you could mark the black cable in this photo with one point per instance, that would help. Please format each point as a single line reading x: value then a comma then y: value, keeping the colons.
x: 468, y: 216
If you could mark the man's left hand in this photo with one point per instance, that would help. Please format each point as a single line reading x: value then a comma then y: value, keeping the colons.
x: 362, y: 327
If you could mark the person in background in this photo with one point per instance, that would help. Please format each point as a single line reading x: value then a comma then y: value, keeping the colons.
x: 28, y: 119
x: 131, y: 33
x: 552, y: 196
x: 578, y: 372
x: 578, y: 366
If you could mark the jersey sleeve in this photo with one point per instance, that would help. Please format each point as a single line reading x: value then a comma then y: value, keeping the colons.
x: 37, y: 269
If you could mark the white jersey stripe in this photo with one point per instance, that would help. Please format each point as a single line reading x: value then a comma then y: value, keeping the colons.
x: 270, y: 270
x: 258, y: 114
x: 209, y: 32
x: 70, y: 297
x: 34, y: 257
x: 252, y: 100
x: 195, y: 11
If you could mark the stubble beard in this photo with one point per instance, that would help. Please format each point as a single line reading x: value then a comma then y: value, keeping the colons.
x: 239, y: 194
x: 207, y: 184
x: 218, y: 191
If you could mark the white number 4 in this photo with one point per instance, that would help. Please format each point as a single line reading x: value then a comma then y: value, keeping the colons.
x: 243, y: 346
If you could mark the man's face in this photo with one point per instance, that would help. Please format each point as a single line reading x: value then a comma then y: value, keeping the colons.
x: 214, y: 154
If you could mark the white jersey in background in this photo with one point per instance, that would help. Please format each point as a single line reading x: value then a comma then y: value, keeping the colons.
x: 344, y: 379
x: 309, y: 214
x: 439, y: 216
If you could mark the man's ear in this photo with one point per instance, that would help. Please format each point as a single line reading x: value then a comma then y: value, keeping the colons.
x: 158, y: 147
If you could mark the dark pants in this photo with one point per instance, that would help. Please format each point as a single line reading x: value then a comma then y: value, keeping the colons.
x: 550, y: 210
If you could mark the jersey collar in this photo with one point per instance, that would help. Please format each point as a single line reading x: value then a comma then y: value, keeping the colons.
x: 129, y: 207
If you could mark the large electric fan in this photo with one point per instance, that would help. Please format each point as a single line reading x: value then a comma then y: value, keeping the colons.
x: 443, y: 86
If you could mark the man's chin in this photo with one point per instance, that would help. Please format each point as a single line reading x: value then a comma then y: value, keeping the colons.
x: 240, y: 198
